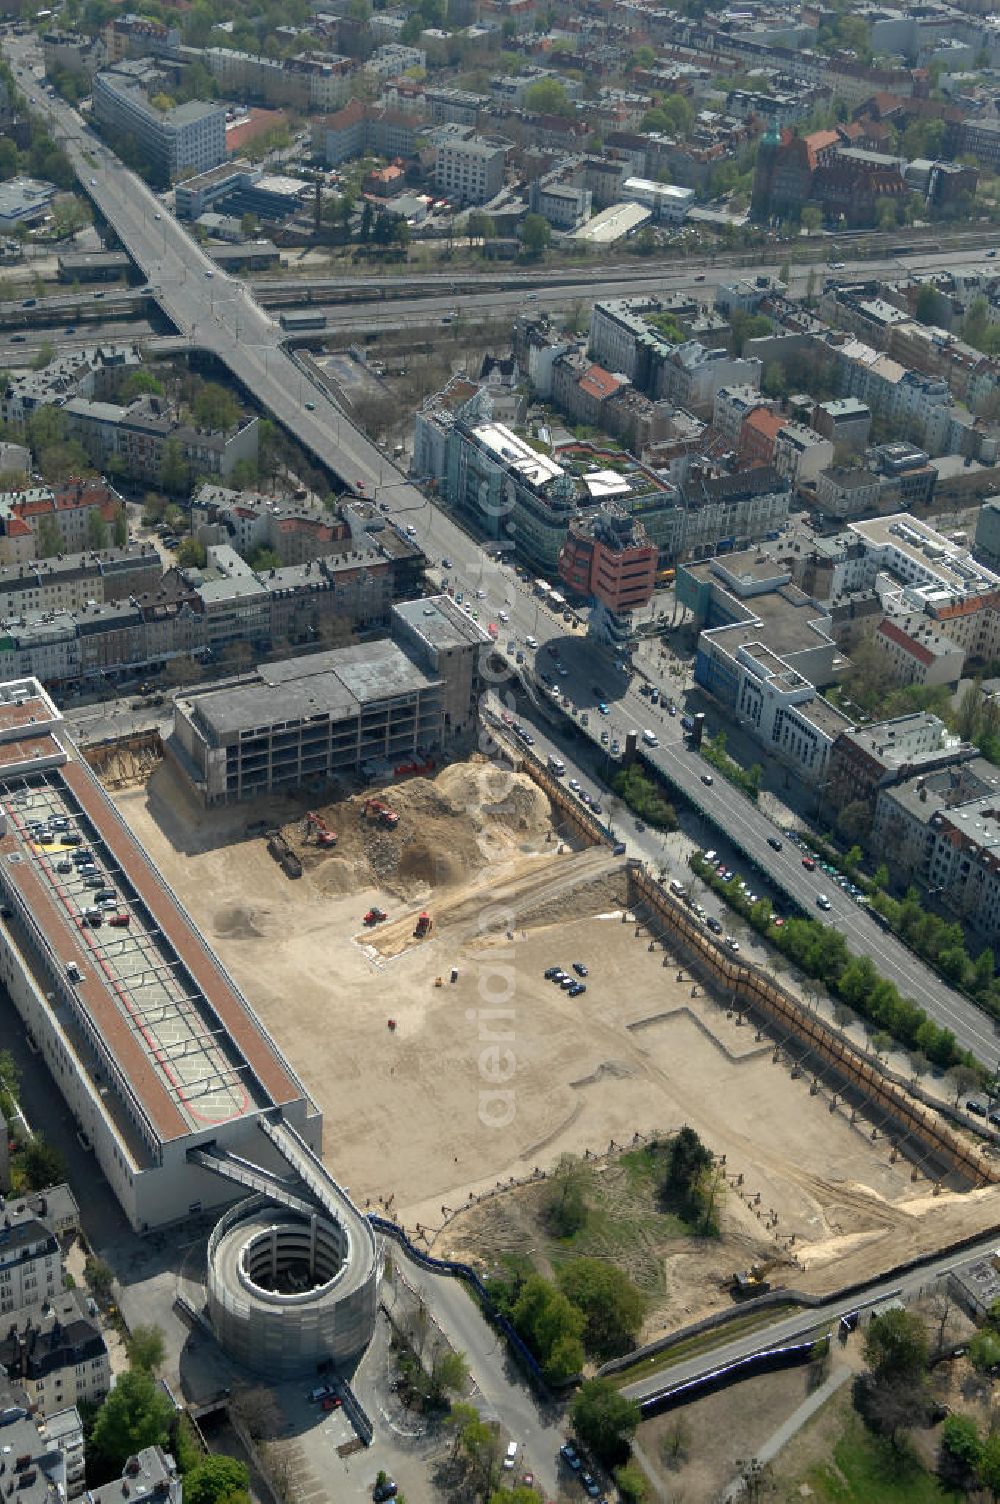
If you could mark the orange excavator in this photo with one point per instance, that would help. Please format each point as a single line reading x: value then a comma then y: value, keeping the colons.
x: 377, y: 809
x: 317, y: 829
x: 424, y: 926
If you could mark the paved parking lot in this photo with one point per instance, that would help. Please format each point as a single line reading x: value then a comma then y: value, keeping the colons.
x: 404, y: 1448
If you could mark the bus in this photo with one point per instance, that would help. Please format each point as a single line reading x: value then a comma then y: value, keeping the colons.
x: 543, y: 588
x: 557, y: 601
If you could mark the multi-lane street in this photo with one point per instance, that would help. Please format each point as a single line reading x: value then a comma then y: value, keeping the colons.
x: 743, y: 824
x: 219, y: 314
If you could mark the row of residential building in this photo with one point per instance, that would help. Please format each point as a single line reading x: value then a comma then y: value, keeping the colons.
x: 87, y: 618
x: 133, y: 438
x: 773, y: 619
x: 520, y: 495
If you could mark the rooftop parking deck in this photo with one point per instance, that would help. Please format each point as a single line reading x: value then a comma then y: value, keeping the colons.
x: 190, y: 1052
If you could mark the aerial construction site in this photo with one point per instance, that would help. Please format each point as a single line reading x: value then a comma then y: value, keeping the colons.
x: 395, y: 945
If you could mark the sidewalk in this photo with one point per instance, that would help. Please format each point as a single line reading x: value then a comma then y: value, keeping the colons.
x: 793, y: 1425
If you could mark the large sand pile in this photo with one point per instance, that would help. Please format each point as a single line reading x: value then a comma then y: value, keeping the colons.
x: 450, y: 827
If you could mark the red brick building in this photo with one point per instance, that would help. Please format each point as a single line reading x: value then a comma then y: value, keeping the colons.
x: 609, y: 557
x: 759, y: 430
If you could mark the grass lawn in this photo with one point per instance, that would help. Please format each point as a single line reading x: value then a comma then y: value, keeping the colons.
x: 864, y: 1469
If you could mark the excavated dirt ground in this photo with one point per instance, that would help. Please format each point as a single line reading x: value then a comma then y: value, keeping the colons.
x: 488, y: 1077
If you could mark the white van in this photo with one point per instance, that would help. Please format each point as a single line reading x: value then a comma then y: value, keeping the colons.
x: 651, y: 739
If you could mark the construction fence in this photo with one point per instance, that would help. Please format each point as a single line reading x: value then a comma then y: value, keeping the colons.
x: 752, y: 990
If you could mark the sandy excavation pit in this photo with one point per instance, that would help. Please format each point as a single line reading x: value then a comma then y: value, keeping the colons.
x: 499, y: 1072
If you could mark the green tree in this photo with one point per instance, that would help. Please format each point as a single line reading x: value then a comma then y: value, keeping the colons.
x: 480, y: 1444
x: 97, y: 530
x: 120, y: 527
x: 989, y: 1465
x: 611, y: 1303
x: 686, y: 1161
x: 633, y: 1486
x: 552, y: 1327
x: 536, y: 234
x: 547, y: 97
x: 930, y: 307
x: 976, y: 321
x: 566, y: 1204
x: 894, y: 1395
x: 811, y: 218
x: 175, y: 473
x: 100, y: 1278
x: 244, y: 475
x: 215, y: 407
x: 136, y: 1414
x: 984, y: 1350
x: 43, y: 356
x: 673, y: 116
x: 138, y: 384
x: 48, y: 538
x: 191, y: 554
x: 153, y: 507
x: 961, y: 1452
x: 9, y: 159
x: 449, y: 1374
x: 43, y: 1164
x: 145, y: 1348
x: 479, y: 226
x: 746, y: 326
x: 215, y: 1480
x: 604, y: 1420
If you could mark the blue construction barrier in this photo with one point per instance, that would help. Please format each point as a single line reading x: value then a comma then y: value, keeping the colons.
x: 465, y: 1272
x: 768, y: 1361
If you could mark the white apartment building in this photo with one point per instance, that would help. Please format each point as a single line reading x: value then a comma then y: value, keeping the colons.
x: 692, y: 375
x: 30, y: 1260
x: 942, y: 830
x: 918, y: 652
x: 190, y: 137
x: 470, y: 172
x: 57, y: 1353
x: 935, y: 572
x: 800, y: 453
x: 733, y: 405
x: 623, y: 342
x: 843, y: 492
x: 763, y: 662
x: 393, y: 59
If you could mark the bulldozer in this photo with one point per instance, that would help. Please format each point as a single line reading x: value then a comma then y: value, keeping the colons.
x: 747, y: 1283
x: 315, y: 827
x: 424, y: 926
x: 375, y: 916
x: 377, y: 809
